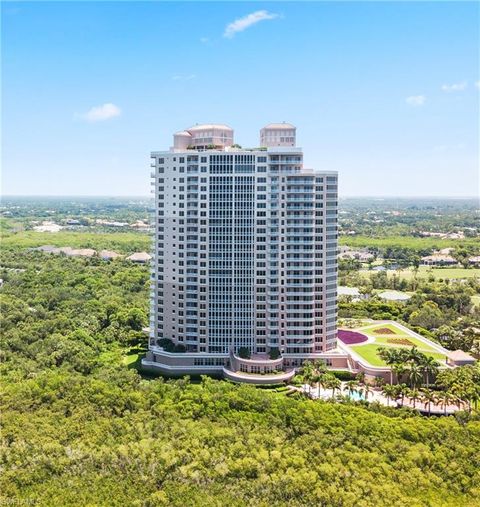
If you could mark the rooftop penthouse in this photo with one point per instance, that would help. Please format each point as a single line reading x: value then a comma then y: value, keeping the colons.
x: 217, y: 136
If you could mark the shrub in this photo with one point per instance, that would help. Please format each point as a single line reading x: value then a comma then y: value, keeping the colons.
x: 274, y: 353
x: 169, y: 346
x: 343, y: 375
x: 244, y: 353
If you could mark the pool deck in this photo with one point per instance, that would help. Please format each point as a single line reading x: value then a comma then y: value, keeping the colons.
x: 375, y: 395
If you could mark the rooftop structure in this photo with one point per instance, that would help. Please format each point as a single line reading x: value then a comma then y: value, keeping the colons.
x: 348, y: 291
x: 278, y: 134
x: 394, y: 295
x: 203, y: 137
x: 459, y: 358
x: 108, y: 255
x: 141, y: 257
x: 438, y: 259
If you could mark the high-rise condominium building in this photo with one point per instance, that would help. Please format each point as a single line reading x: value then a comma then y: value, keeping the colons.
x: 244, y: 277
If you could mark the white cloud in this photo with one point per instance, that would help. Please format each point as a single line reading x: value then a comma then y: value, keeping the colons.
x: 416, y: 100
x: 454, y: 87
x: 477, y: 84
x: 102, y: 113
x: 241, y: 24
x: 449, y: 148
x: 204, y: 40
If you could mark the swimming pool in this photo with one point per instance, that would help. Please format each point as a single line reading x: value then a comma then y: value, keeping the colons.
x: 356, y: 396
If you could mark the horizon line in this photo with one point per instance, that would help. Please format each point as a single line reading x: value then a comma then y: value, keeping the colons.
x: 345, y: 196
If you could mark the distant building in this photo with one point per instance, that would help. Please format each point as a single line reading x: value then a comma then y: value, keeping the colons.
x: 109, y: 223
x: 443, y: 235
x: 140, y: 257
x: 438, y: 259
x: 351, y: 292
x: 108, y: 255
x: 139, y: 224
x: 48, y: 227
x: 78, y: 252
x: 459, y: 358
x: 394, y: 295
x: 47, y: 249
x: 475, y: 260
x: 358, y: 255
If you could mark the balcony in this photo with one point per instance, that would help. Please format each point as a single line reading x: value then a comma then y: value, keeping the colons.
x: 258, y: 378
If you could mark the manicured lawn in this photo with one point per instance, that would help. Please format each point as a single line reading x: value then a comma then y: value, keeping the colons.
x: 405, y: 242
x: 369, y: 350
x: 369, y: 353
x: 426, y: 271
x: 133, y: 358
x: 383, y: 341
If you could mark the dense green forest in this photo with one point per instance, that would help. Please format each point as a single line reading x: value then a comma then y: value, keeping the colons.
x: 82, y: 427
x: 393, y: 218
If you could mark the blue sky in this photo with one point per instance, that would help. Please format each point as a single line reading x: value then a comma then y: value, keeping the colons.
x: 385, y: 93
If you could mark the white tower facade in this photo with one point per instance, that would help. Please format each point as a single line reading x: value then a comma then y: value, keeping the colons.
x: 244, y: 274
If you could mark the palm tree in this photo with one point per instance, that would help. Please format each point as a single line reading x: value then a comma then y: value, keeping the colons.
x: 399, y: 369
x: 334, y: 384
x: 442, y: 401
x: 312, y: 382
x: 414, y: 395
x: 473, y: 397
x: 445, y: 398
x: 360, y: 377
x: 430, y: 367
x: 320, y: 366
x: 415, y: 355
x: 352, y: 387
x: 308, y: 373
x: 323, y: 380
x: 389, y: 391
x: 428, y: 397
x: 367, y: 390
x: 318, y: 379
x: 414, y: 375
x: 390, y: 357
x: 402, y: 392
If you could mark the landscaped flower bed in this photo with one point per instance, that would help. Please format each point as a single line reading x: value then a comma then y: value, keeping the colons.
x: 400, y: 341
x: 384, y: 330
x: 351, y: 337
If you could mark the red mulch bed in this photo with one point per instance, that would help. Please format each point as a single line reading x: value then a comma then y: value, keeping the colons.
x: 351, y: 337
